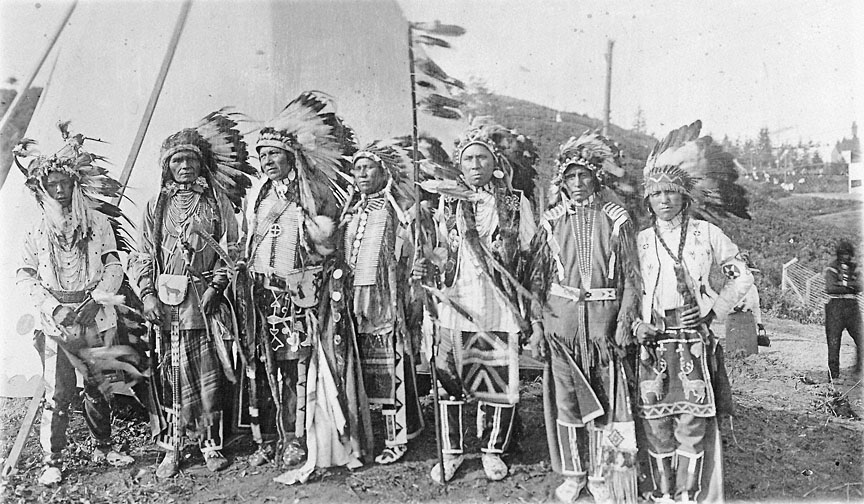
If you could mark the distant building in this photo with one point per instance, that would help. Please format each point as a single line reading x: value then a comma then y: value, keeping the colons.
x: 848, y: 152
x: 856, y: 173
x: 852, y: 145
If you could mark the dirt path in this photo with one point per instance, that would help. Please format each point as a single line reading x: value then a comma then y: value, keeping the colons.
x: 846, y: 195
x: 786, y: 446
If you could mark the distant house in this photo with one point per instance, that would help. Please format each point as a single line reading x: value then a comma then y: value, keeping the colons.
x: 848, y: 152
x: 852, y: 145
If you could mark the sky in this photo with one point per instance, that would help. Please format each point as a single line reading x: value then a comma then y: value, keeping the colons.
x: 791, y: 66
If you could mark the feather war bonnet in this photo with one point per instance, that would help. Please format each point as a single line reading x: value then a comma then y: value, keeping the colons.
x: 697, y: 167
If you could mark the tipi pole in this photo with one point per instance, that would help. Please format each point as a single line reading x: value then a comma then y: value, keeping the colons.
x: 154, y: 98
x: 24, y: 87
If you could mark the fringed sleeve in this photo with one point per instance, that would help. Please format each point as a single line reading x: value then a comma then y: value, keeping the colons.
x: 141, y: 262
x: 541, y: 269
x: 410, y: 293
x: 630, y: 284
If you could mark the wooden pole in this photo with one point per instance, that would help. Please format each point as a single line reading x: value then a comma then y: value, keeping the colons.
x: 608, y: 100
x: 9, y: 466
x: 24, y: 87
x: 418, y: 246
x: 154, y: 98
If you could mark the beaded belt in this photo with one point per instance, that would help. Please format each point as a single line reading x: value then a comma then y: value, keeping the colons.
x: 69, y: 297
x: 577, y: 294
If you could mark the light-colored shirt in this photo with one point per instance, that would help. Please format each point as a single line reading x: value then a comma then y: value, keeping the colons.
x: 44, y: 267
x: 472, y: 288
x: 705, y: 245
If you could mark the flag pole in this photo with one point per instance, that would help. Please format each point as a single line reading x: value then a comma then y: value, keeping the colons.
x: 415, y: 144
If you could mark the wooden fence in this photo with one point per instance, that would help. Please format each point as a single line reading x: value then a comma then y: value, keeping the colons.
x: 807, y: 285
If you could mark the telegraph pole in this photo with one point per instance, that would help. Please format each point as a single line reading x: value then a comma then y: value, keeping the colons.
x: 607, y: 103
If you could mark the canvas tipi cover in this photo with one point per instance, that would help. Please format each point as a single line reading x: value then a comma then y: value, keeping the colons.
x: 255, y: 56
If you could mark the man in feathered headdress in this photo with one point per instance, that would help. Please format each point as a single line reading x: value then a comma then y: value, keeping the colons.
x: 682, y: 382
x: 377, y: 250
x: 71, y: 270
x: 181, y: 274
x: 486, y: 227
x: 291, y: 219
x: 585, y: 272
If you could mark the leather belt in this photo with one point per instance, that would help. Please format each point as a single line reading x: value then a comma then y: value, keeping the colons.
x: 576, y: 294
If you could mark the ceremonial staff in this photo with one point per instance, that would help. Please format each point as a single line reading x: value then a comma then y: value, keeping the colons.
x: 418, y: 243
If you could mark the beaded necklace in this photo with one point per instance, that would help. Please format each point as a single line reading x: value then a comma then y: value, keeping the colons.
x: 678, y: 265
x: 582, y: 226
x: 69, y: 261
x: 183, y: 205
x: 583, y: 230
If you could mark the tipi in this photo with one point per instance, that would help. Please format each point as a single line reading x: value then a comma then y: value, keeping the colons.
x: 253, y: 55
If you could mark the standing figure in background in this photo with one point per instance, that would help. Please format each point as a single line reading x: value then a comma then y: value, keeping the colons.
x: 69, y: 268
x: 378, y: 252
x: 180, y: 272
x: 487, y: 227
x: 682, y: 383
x: 842, y: 285
x: 585, y: 271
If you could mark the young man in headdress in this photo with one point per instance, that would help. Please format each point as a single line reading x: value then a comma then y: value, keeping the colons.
x: 70, y: 268
x: 486, y: 227
x: 586, y: 274
x: 180, y: 271
x: 842, y: 285
x: 681, y: 377
x: 378, y: 249
x: 291, y: 221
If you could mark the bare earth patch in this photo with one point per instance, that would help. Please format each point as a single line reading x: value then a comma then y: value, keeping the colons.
x: 795, y: 438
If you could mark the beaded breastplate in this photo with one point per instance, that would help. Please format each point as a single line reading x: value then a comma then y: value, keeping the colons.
x: 363, y: 240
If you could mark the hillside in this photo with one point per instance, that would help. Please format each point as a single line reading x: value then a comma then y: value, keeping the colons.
x: 540, y: 124
x: 781, y: 227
